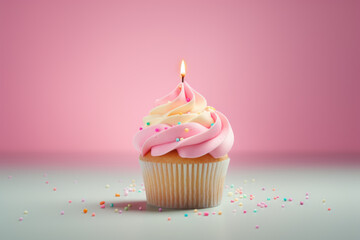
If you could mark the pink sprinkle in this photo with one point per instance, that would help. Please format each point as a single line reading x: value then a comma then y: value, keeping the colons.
x: 20, y: 219
x: 82, y: 200
x: 199, y: 213
x: 232, y: 201
x: 93, y: 214
x: 47, y: 182
x: 206, y: 213
x: 244, y: 211
x: 165, y: 128
x: 283, y: 206
x: 188, y: 99
x: 54, y: 189
x: 62, y: 213
x: 290, y: 199
x: 307, y: 194
x: 157, y: 130
x: 307, y: 197
x: 160, y: 209
x: 120, y: 212
x: 257, y: 226
x: 70, y: 201
x: 102, y: 206
x: 140, y: 208
x: 169, y: 218
x: 213, y: 213
x: 301, y: 203
x: 263, y: 189
x: 258, y: 205
x: 140, y: 128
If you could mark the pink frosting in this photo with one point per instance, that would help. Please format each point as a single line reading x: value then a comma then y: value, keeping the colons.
x: 182, y: 121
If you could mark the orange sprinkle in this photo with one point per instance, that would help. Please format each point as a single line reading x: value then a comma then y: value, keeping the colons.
x: 102, y: 202
x: 85, y: 210
x: 220, y: 212
x: 117, y: 195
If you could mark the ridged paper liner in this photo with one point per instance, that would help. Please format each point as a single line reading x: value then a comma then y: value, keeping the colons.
x: 187, y: 185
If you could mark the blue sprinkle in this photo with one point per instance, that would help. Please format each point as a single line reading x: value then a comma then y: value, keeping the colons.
x: 186, y: 215
x: 179, y: 123
x: 212, y: 124
x: 177, y: 139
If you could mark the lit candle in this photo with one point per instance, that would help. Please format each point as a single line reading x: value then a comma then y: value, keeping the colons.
x: 182, y: 70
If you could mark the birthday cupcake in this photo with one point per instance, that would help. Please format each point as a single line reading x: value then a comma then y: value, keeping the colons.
x: 183, y: 148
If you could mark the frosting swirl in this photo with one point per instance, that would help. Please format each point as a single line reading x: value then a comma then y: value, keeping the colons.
x: 182, y: 121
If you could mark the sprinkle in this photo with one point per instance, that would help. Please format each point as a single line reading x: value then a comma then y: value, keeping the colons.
x: 307, y: 197
x: 70, y: 201
x: 129, y: 205
x: 263, y: 189
x: 47, y: 182
x: 54, y: 189
x: 301, y: 203
x: 232, y: 185
x: 107, y: 186
x: 290, y: 199
x: 26, y: 212
x: 329, y: 209
x: 85, y: 210
x: 20, y: 219
x: 323, y: 201
x: 285, y: 199
x: 148, y: 123
x: 253, y: 180
x: 255, y: 211
x: 165, y: 128
x: 180, y: 113
x: 102, y: 206
x: 160, y: 209
x: 212, y: 124
x: 213, y: 213
x: 186, y: 215
x: 177, y: 139
x: 230, y: 194
x: 126, y: 208
x: 111, y: 205
x: 188, y: 99
x: 93, y: 214
x: 241, y: 204
x: 186, y: 129
x: 82, y: 200
x: 195, y: 210
x: 140, y: 128
x: 234, y: 211
x: 117, y: 195
x: 257, y: 226
x: 307, y: 194
x: 62, y: 212
x: 220, y: 212
x: 140, y: 208
x: 206, y: 214
x: 116, y: 210
x: 169, y: 218
x: 181, y: 139
x: 273, y: 189
x: 179, y: 123
x: 283, y: 205
x: 232, y: 201
x: 245, y: 181
x: 102, y: 202
x: 120, y: 212
x: 244, y: 211
x: 268, y: 199
x: 199, y: 213
x: 157, y: 130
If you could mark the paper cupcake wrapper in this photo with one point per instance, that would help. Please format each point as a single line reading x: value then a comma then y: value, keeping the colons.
x: 187, y: 185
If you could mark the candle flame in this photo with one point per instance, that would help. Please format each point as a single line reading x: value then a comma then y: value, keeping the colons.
x: 182, y: 70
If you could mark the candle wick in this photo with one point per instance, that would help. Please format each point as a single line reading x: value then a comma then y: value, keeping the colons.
x: 182, y: 78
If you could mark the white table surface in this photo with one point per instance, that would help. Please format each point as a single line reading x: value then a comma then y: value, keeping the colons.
x: 338, y: 184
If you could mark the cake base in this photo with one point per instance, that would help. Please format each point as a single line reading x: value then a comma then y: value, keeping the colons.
x: 175, y: 182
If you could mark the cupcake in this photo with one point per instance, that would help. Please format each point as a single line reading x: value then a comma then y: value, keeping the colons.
x: 183, y: 148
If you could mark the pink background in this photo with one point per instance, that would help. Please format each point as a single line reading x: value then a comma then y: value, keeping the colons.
x: 78, y: 76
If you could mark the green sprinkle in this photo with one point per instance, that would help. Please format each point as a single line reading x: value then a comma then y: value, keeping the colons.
x: 111, y: 205
x: 126, y: 208
x: 285, y: 199
x: 148, y: 123
x: 268, y: 199
x: 244, y: 196
x: 255, y: 211
x: 232, y: 185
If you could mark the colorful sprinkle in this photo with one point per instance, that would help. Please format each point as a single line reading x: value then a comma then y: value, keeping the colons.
x: 148, y: 123
x: 255, y: 211
x: 220, y: 212
x: 117, y: 195
x: 140, y: 208
x: 160, y: 209
x: 285, y: 199
x: 186, y: 129
x: 177, y: 139
x: 111, y: 205
x: 290, y: 199
x: 102, y: 202
x: 70, y: 201
x: 244, y: 211
x: 140, y: 128
x: 199, y: 213
x: 54, y: 189
x: 62, y: 213
x: 157, y: 130
x: 181, y: 139
x: 329, y: 209
x: 195, y: 210
x: 93, y: 214
x: 213, y: 213
x: 301, y: 203
x: 20, y: 219
x: 323, y: 201
x: 212, y: 124
x: 85, y: 210
x: 26, y: 212
x: 206, y: 214
x: 107, y: 186
x: 116, y: 210
x: 307, y: 197
x: 102, y: 206
x: 283, y: 205
x: 169, y: 218
x: 179, y: 123
x: 186, y: 215
x: 188, y: 99
x: 82, y: 200
x: 257, y: 226
x: 126, y: 208
x: 241, y: 204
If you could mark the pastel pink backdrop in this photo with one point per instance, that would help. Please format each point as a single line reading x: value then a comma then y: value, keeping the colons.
x: 78, y: 76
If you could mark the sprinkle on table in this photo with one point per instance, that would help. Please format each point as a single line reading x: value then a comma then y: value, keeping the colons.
x: 26, y: 212
x: 62, y: 213
x: 169, y: 218
x: 93, y: 214
x: 186, y: 215
x: 107, y: 186
x: 117, y: 195
x: 220, y: 212
x: 85, y: 210
x: 102, y: 202
x: 20, y: 219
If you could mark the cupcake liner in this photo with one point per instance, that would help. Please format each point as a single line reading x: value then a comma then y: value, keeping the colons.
x: 185, y: 185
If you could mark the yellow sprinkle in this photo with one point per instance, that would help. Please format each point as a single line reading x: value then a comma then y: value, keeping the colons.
x: 241, y: 204
x: 181, y: 139
x: 133, y: 180
x: 116, y: 210
x: 195, y: 210
x: 186, y: 129
x: 323, y: 200
x: 26, y: 212
x: 230, y: 194
x: 180, y: 113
